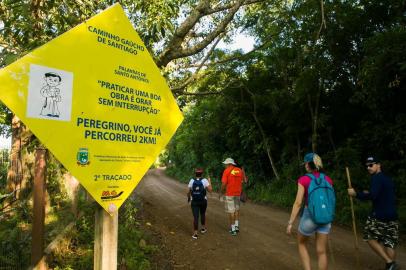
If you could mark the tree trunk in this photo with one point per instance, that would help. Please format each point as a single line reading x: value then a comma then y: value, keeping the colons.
x: 314, y: 113
x: 15, y: 171
x: 299, y: 150
x: 266, y: 144
x: 333, y: 146
x: 263, y: 135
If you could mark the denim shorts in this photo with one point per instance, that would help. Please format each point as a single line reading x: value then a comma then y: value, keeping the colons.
x: 307, y: 227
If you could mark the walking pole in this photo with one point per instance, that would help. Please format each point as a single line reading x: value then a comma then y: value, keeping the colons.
x: 354, y: 227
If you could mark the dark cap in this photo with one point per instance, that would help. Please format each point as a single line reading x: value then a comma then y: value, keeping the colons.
x: 372, y: 159
x: 199, y: 170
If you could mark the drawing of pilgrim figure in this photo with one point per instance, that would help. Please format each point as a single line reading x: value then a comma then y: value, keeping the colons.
x: 52, y: 95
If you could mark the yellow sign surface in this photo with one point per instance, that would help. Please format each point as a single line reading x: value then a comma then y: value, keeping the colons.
x: 95, y: 98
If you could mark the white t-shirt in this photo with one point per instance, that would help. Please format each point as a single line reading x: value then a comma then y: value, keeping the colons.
x: 204, y: 181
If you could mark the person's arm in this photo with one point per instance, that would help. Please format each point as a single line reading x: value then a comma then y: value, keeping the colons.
x: 43, y: 91
x: 296, y: 207
x: 209, y: 187
x: 188, y: 195
x: 58, y: 96
x: 223, y: 188
x: 223, y: 184
x: 373, y: 193
x: 189, y: 191
x: 245, y: 178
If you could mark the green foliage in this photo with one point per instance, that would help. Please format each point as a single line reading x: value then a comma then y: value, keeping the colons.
x: 15, y: 237
x: 5, y: 120
x: 4, y: 163
x: 339, y: 88
x: 129, y: 236
x: 77, y: 251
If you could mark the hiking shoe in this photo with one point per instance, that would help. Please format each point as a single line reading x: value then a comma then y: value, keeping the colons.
x: 233, y: 233
x: 194, y: 236
x: 237, y: 229
x: 392, y: 266
x: 203, y: 230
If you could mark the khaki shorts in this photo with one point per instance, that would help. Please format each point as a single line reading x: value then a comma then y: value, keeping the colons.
x: 232, y: 203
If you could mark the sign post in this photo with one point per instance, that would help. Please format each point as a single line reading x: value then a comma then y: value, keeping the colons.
x: 38, y: 226
x: 95, y: 98
x: 105, y: 240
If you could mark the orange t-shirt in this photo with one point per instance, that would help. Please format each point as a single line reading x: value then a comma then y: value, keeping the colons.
x: 232, y: 178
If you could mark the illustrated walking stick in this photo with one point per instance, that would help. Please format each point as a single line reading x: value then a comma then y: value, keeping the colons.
x: 354, y: 227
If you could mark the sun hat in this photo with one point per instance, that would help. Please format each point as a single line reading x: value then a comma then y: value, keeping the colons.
x: 229, y: 161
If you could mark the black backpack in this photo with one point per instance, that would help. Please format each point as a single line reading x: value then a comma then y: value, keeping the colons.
x: 198, y: 190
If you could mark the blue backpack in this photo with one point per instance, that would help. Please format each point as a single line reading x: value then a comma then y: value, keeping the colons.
x: 321, y: 199
x: 198, y: 190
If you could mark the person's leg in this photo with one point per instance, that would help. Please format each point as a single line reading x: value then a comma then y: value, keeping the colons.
x: 232, y: 220
x: 391, y: 253
x: 321, y: 248
x: 230, y: 209
x: 381, y: 237
x: 306, y: 228
x: 203, y: 208
x: 390, y: 239
x: 237, y: 217
x: 379, y: 249
x: 195, y: 212
x: 237, y: 213
x: 304, y: 254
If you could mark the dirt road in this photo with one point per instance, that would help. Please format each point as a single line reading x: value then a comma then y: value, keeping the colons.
x: 261, y: 243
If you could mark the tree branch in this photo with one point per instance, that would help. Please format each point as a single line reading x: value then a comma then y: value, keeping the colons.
x: 198, y: 93
x: 180, y: 33
x: 194, y: 76
x: 174, y: 48
x: 261, y: 130
x: 210, y: 37
x: 238, y: 57
x: 323, y: 20
x: 228, y: 6
x: 209, y: 93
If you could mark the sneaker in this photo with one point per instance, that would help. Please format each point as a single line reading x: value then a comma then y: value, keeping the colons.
x: 233, y: 233
x: 392, y: 266
x: 237, y: 229
x: 194, y: 236
x: 203, y: 230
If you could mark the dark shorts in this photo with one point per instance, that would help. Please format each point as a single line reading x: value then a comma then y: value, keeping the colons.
x: 385, y: 232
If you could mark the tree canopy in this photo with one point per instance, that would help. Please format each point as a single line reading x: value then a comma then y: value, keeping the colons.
x: 324, y: 76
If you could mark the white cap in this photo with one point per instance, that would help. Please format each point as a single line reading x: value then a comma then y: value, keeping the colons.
x: 229, y: 161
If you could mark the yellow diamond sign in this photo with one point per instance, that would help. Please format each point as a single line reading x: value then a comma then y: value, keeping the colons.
x: 98, y: 102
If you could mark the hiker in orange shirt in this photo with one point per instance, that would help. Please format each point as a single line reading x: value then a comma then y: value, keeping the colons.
x: 231, y: 185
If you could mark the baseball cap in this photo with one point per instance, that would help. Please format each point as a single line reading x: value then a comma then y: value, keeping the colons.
x: 313, y: 157
x: 308, y: 157
x: 229, y: 161
x: 372, y: 159
x: 199, y: 170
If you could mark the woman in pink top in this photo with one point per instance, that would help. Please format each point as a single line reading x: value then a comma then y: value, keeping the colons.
x: 307, y: 227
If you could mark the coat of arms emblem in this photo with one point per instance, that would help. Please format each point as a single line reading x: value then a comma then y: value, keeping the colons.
x: 82, y: 157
